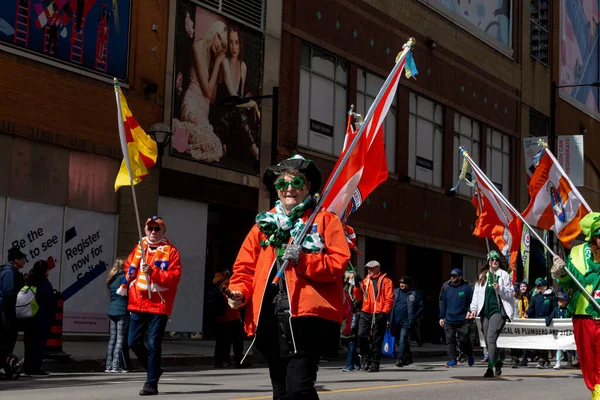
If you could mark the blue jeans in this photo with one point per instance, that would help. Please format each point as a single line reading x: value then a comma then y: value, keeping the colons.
x: 402, y: 336
x: 149, y: 357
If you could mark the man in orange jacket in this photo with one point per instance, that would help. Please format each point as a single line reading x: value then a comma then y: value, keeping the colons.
x: 378, y: 299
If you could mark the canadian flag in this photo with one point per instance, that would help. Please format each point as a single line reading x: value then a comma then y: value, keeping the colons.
x: 555, y: 202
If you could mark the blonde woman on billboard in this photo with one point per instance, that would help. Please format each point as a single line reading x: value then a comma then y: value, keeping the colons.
x: 208, y: 54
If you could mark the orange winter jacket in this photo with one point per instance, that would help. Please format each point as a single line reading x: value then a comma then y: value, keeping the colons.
x: 315, y: 284
x: 385, y: 295
x: 164, y: 278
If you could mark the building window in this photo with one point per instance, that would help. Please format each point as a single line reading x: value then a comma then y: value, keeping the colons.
x: 498, y: 160
x: 540, y: 30
x: 323, y: 106
x: 367, y: 87
x: 467, y: 134
x: 425, y: 127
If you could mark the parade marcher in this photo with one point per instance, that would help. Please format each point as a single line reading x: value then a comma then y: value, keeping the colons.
x: 297, y: 321
x: 11, y: 281
x: 37, y: 328
x: 456, y: 300
x: 493, y: 303
x: 152, y: 287
x: 584, y: 263
x: 377, y: 293
x: 407, y: 308
x: 542, y: 306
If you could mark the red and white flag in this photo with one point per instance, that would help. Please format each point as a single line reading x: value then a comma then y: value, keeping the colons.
x: 555, y: 202
x: 366, y: 167
x: 497, y: 221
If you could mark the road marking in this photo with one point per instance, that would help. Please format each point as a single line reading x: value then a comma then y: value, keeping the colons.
x: 363, y: 389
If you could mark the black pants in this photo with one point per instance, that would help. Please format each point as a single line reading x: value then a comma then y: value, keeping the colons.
x: 371, y: 349
x: 228, y: 333
x: 35, y: 338
x: 464, y: 340
x: 8, y: 332
x: 293, y: 378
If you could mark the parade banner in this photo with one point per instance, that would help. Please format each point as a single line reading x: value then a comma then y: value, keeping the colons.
x: 569, y: 154
x: 533, y: 334
x: 216, y: 62
x: 525, y: 252
x: 93, y: 34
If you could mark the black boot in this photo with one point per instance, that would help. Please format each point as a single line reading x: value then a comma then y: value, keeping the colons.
x: 364, y: 363
x: 489, y: 373
x: 374, y: 367
x: 399, y: 362
x: 149, y: 390
x: 498, y: 368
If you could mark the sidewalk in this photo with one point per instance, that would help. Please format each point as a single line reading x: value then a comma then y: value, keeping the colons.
x: 88, y: 355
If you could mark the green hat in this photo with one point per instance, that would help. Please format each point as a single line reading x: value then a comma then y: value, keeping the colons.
x: 590, y: 225
x: 493, y: 254
x: 538, y: 280
x: 306, y: 167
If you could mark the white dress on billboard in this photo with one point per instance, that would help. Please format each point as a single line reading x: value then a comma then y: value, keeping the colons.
x: 203, y: 144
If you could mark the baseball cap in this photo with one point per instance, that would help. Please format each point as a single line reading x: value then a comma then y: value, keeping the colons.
x: 405, y: 279
x: 562, y: 296
x: 456, y: 272
x: 157, y: 220
x: 372, y: 264
x: 543, y: 282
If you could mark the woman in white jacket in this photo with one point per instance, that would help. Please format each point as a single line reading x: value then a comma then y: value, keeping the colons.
x: 493, y: 303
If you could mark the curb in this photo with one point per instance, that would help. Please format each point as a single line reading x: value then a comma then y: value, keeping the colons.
x: 181, y: 361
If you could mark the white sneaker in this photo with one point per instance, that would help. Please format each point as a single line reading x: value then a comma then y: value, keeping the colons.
x: 557, y: 366
x: 107, y: 370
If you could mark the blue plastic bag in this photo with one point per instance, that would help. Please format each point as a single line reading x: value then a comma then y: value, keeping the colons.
x: 388, y: 348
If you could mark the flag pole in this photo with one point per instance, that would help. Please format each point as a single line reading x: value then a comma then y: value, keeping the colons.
x: 499, y: 194
x: 400, y: 61
x: 125, y: 150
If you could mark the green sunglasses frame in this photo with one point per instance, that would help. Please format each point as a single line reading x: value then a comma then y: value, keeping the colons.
x: 296, y: 183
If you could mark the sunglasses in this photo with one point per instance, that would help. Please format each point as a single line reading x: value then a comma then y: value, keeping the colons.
x: 153, y: 228
x: 295, y: 183
x: 495, y: 259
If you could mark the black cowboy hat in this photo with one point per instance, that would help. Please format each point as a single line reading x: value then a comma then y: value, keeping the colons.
x: 306, y: 167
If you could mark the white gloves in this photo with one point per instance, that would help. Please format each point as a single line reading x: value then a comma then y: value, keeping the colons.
x: 558, y: 268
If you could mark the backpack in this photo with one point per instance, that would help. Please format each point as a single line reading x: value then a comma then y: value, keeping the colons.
x: 216, y: 304
x: 27, y: 305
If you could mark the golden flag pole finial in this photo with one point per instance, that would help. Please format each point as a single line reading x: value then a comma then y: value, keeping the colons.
x: 411, y: 43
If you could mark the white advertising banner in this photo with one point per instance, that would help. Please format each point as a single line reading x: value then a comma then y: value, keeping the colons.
x: 89, y: 251
x: 37, y: 230
x: 186, y: 223
x: 533, y: 334
x: 569, y: 154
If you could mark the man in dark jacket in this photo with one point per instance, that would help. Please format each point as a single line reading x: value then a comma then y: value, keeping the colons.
x: 11, y: 281
x: 408, y: 306
x: 542, y: 306
x: 456, y: 300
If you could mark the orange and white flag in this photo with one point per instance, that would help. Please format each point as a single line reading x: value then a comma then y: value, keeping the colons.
x: 555, y: 202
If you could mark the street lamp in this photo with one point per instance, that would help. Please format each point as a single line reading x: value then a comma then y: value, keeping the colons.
x: 161, y: 133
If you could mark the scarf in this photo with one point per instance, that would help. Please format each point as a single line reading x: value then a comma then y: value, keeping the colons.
x: 279, y: 227
x: 156, y: 254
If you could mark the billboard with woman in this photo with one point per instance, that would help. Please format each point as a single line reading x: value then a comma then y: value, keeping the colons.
x: 217, y: 62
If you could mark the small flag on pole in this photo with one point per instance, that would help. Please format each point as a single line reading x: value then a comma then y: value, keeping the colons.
x: 139, y: 149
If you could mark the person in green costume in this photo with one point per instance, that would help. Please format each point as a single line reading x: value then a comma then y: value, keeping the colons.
x: 584, y: 263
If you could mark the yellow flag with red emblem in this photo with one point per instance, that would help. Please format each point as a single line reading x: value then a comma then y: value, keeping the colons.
x: 139, y: 149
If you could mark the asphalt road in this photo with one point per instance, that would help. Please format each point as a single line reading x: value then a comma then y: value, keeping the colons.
x: 423, y: 380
